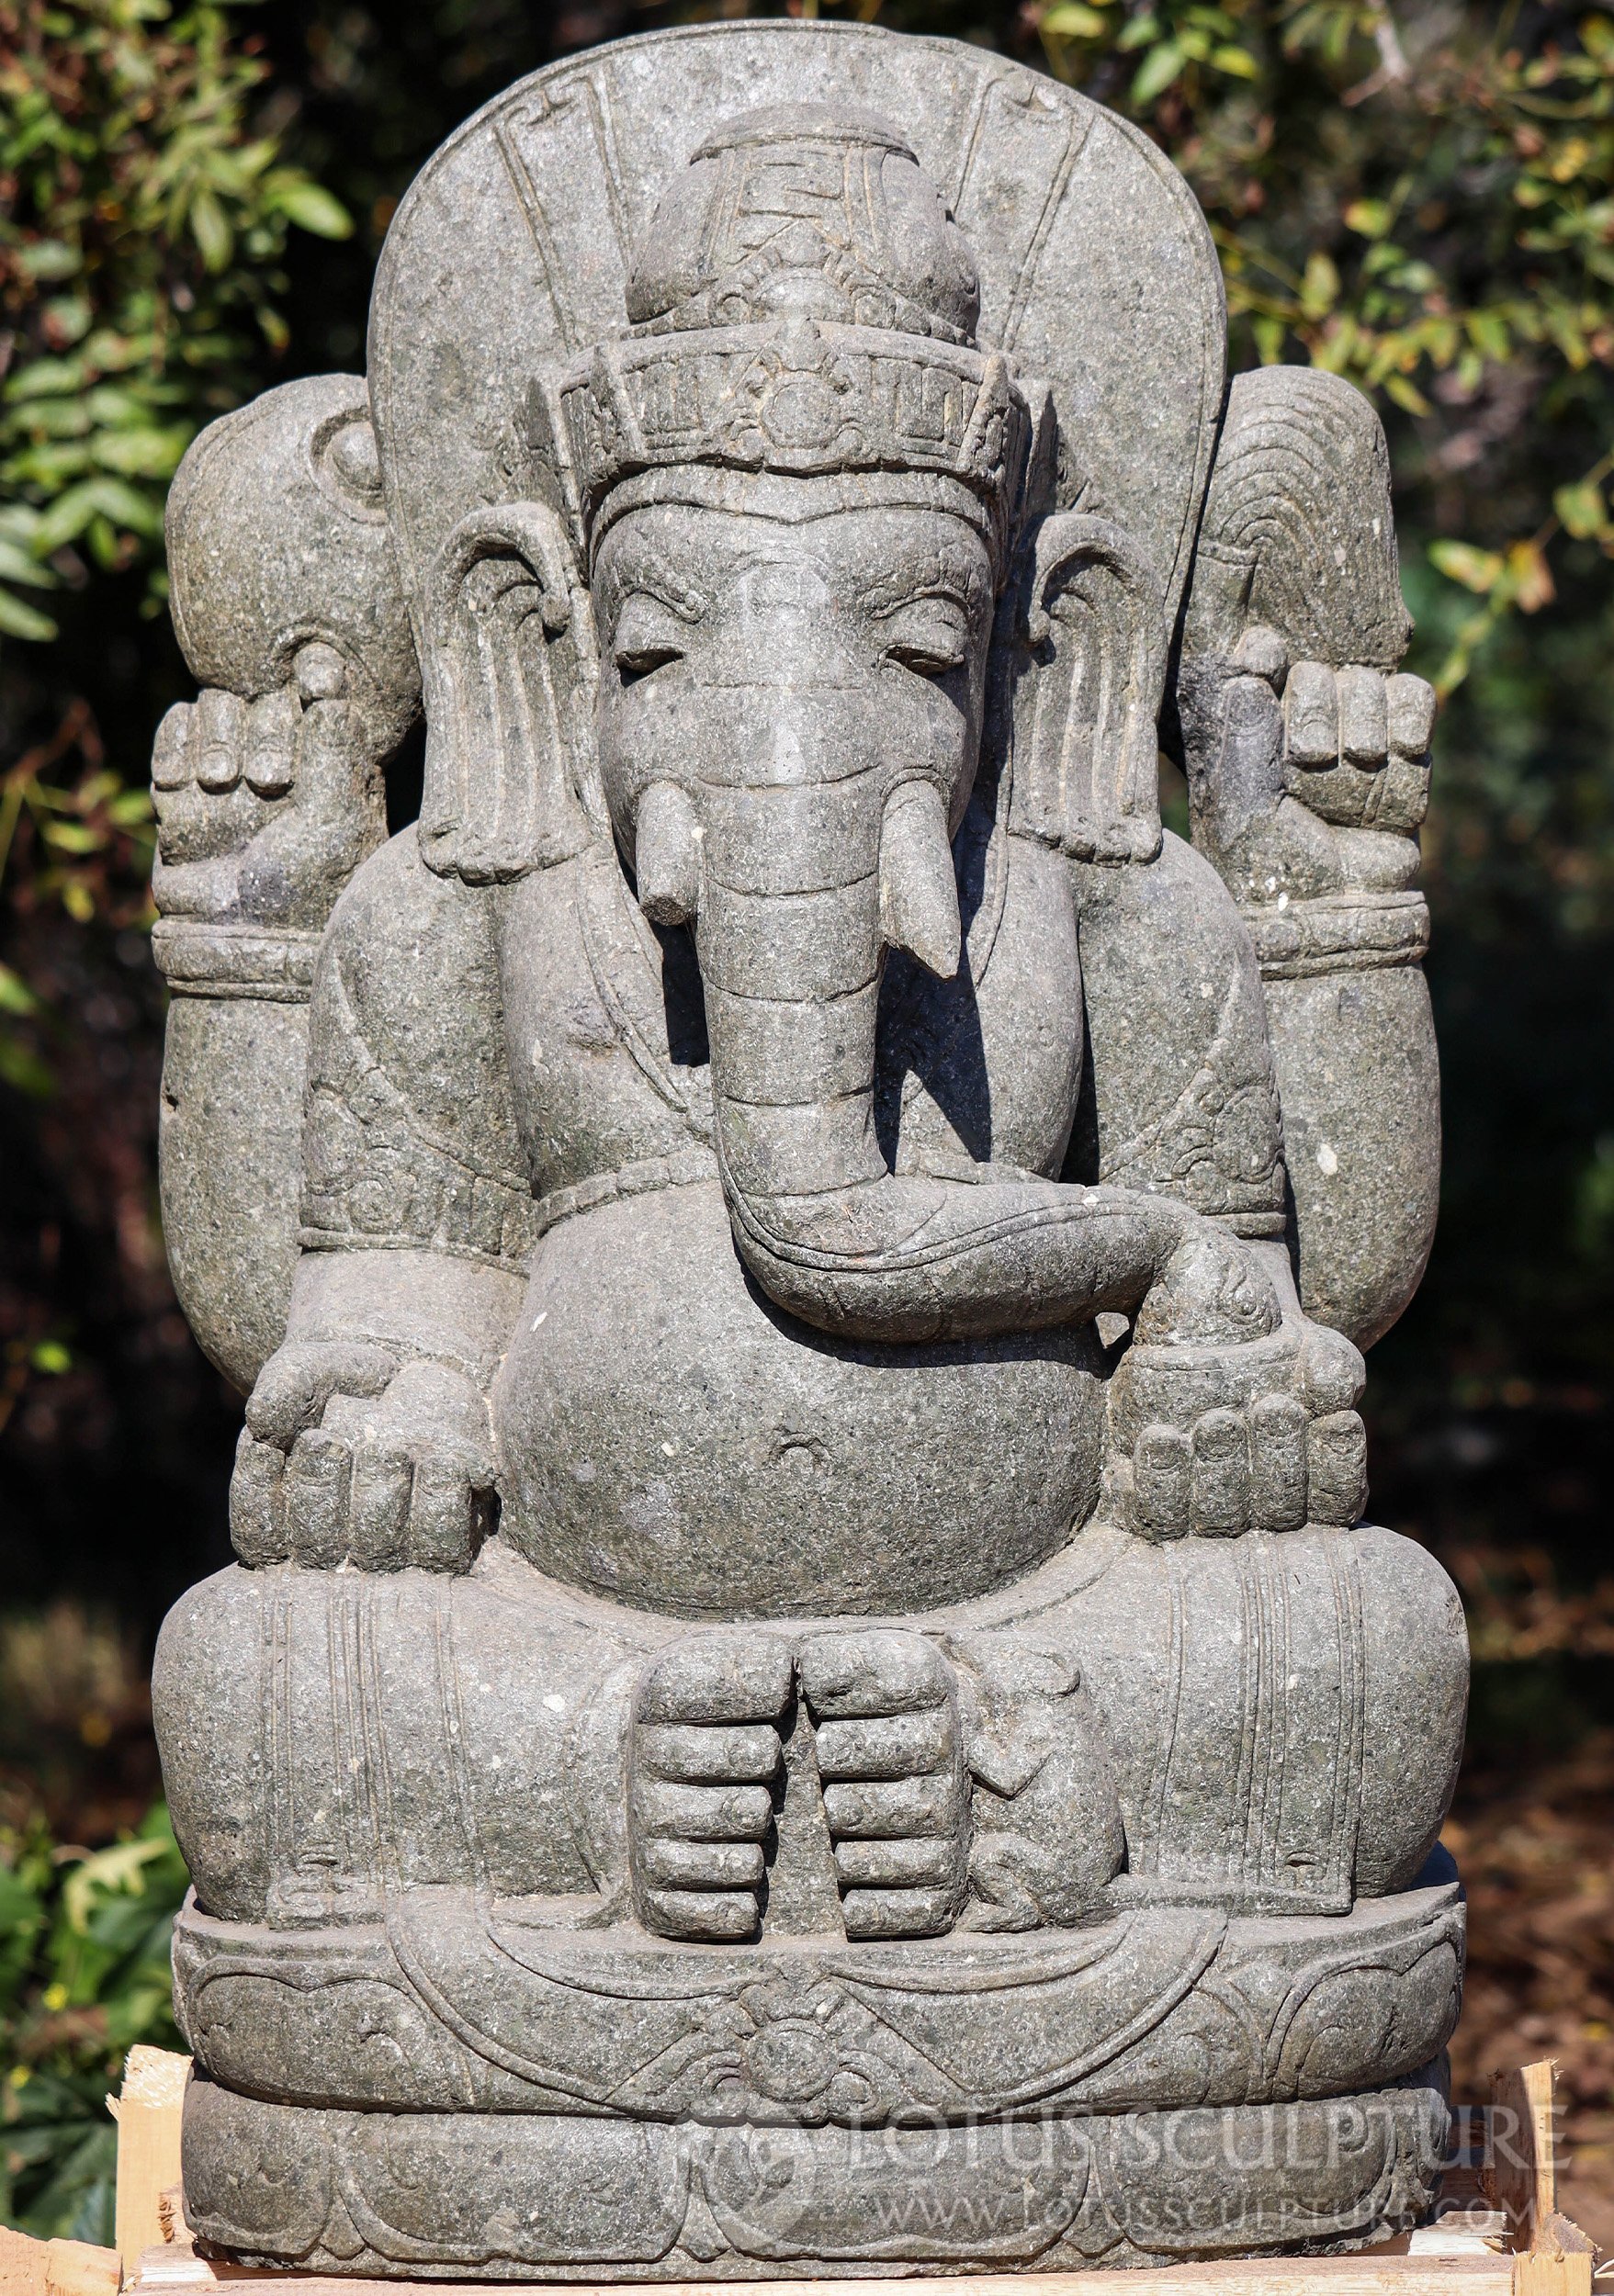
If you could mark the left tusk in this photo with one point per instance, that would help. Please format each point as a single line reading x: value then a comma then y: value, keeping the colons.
x: 919, y: 893
x: 667, y: 854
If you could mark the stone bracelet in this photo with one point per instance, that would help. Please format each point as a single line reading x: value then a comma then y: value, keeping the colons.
x: 1338, y: 933
x: 197, y: 959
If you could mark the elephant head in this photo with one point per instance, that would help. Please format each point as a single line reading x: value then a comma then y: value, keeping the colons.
x: 798, y: 545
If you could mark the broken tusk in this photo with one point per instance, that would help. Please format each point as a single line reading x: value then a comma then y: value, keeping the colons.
x: 667, y: 855
x: 919, y: 892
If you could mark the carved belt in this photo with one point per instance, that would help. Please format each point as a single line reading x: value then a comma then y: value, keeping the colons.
x: 633, y: 1180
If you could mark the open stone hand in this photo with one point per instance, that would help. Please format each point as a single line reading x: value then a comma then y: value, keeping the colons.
x: 706, y: 1755
x: 265, y: 808
x: 1305, y: 779
x: 885, y: 1711
x: 348, y: 1456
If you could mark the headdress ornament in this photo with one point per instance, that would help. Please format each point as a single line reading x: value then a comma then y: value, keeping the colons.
x: 802, y: 303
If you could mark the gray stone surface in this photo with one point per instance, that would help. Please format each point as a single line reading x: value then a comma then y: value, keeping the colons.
x: 806, y: 1686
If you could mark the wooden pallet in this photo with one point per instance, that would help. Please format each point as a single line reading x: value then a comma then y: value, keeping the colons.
x: 1499, y: 2232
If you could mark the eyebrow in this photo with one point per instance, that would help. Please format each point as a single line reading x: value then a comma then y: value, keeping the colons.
x: 651, y: 573
x: 949, y: 574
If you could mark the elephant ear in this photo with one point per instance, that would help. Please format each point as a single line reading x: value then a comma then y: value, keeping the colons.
x: 510, y: 665
x: 1085, y: 657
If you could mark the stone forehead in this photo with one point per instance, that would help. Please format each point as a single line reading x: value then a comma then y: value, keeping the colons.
x: 512, y: 255
x: 793, y: 501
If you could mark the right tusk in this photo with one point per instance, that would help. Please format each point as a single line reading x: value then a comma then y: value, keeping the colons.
x: 919, y: 892
x: 667, y: 841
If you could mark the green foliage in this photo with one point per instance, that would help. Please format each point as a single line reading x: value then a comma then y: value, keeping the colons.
x: 144, y: 213
x: 142, y: 223
x: 83, y: 1976
x: 1425, y: 204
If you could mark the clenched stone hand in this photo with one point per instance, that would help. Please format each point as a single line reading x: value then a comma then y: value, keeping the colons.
x: 265, y: 808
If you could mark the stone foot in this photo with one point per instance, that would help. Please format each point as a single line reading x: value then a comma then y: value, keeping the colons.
x: 885, y: 1713
x: 706, y: 1756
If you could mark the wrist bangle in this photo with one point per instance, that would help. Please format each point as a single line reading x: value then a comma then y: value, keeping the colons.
x: 203, y: 959
x: 1340, y: 932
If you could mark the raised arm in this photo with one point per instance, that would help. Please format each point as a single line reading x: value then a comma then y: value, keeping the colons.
x: 268, y: 794
x: 1308, y: 777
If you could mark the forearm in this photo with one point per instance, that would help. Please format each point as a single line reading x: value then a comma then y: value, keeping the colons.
x: 1339, y: 932
x: 234, y: 1071
x: 1353, y: 1042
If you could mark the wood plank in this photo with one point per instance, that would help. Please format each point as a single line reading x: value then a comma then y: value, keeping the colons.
x: 73, y: 2267
x: 148, y: 2110
x: 22, y: 2265
x: 1558, y: 2262
x: 1365, y: 2274
x: 1519, y: 2172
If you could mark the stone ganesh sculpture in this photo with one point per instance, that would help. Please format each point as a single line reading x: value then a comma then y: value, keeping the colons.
x: 804, y: 1686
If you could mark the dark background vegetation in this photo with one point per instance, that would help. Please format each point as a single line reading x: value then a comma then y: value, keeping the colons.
x: 191, y: 201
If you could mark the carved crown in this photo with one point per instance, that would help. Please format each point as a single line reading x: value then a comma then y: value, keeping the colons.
x: 804, y: 303
x: 571, y: 214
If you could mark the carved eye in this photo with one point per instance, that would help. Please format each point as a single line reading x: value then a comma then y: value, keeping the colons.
x: 929, y: 638
x: 648, y: 638
x: 634, y: 662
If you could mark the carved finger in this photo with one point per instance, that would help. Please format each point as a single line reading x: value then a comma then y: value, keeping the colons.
x: 670, y: 1865
x: 1277, y: 1426
x: 379, y: 1506
x: 703, y: 1813
x: 880, y: 1672
x: 904, y: 1806
x: 1160, y: 1472
x: 902, y: 1864
x: 873, y: 1913
x: 297, y: 1382
x: 270, y: 751
x: 700, y: 1755
x: 1339, y: 794
x: 220, y: 732
x: 897, y: 1746
x: 257, y: 1513
x: 442, y: 1515
x: 171, y: 752
x: 336, y: 773
x: 1364, y: 733
x: 1331, y: 1372
x: 715, y: 1915
x: 1404, y: 796
x: 1220, y: 1506
x: 1263, y: 652
x: 1238, y: 794
x: 316, y: 1482
x: 320, y: 672
x: 1336, y: 1465
x: 1311, y: 714
x: 1412, y: 703
x: 719, y: 1678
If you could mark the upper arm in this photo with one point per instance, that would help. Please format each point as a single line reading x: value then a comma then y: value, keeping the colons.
x: 410, y: 1137
x: 1183, y: 1096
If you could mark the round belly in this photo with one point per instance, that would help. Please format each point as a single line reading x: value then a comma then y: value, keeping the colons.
x: 670, y: 1439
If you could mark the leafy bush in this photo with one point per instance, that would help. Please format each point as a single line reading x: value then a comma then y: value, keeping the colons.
x: 83, y: 1976
x: 144, y: 221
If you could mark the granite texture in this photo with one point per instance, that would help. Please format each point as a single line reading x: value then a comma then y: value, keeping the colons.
x: 806, y: 1687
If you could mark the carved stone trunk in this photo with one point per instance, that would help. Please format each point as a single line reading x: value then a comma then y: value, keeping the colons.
x: 805, y: 1688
